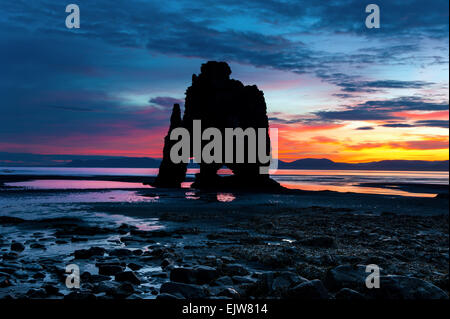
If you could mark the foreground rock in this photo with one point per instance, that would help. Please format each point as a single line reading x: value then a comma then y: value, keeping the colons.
x: 347, y: 276
x: 402, y: 287
x: 313, y: 289
x: 198, y: 275
x: 184, y: 290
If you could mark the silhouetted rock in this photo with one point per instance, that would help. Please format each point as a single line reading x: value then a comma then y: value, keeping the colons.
x: 171, y: 174
x: 219, y: 102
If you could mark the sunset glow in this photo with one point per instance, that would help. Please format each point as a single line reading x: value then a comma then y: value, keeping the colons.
x: 334, y: 91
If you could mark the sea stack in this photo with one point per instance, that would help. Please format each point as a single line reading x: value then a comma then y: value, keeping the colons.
x: 219, y: 102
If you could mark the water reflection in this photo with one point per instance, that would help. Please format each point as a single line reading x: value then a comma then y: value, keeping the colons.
x: 191, y: 195
x: 75, y: 184
x: 353, y: 189
x: 210, y: 197
x: 225, y: 197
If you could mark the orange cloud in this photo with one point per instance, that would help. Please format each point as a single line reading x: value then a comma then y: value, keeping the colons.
x: 435, y: 144
x: 439, y: 115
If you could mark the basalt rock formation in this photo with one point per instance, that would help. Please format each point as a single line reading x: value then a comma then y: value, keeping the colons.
x: 171, y: 174
x: 219, y: 102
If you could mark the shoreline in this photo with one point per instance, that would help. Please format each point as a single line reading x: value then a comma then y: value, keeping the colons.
x: 187, y: 243
x: 246, y: 252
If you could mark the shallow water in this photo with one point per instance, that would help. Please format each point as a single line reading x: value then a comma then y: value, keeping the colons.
x: 314, y: 180
x: 75, y: 184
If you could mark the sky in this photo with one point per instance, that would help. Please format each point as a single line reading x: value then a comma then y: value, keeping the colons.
x: 333, y: 88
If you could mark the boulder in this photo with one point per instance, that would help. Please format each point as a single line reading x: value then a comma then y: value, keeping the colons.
x: 403, y: 287
x: 183, y: 275
x: 120, y: 252
x: 230, y: 293
x: 88, y: 253
x: 127, y: 276
x: 285, y: 280
x: 198, y: 275
x: 224, y: 281
x: 313, y: 289
x: 234, y: 269
x: 107, y: 269
x: 186, y: 290
x: 205, y: 274
x: 347, y: 276
x: 15, y: 246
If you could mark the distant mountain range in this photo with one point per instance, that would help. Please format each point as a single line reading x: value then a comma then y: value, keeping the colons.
x: 27, y: 160
x: 388, y: 165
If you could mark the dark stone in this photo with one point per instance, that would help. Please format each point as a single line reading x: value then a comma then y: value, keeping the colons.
x: 88, y: 277
x: 88, y: 253
x: 39, y: 275
x: 229, y: 292
x: 134, y: 266
x: 107, y: 287
x: 171, y: 174
x: 5, y: 281
x: 183, y: 275
x: 15, y: 246
x: 125, y: 228
x: 50, y: 289
x: 224, y: 281
x: 319, y: 241
x: 347, y: 276
x: 124, y: 290
x: 285, y: 280
x: 234, y: 269
x: 10, y: 255
x: 313, y: 289
x: 107, y: 269
x: 7, y: 220
x: 127, y: 276
x: 219, y: 102
x: 185, y: 290
x: 120, y: 252
x: 198, y: 275
x: 79, y: 230
x: 77, y: 239
x: 205, y: 274
x: 166, y: 262
x: 242, y: 280
x: 37, y: 293
x: 403, y: 287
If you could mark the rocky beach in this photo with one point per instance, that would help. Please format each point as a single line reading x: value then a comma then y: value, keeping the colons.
x: 186, y: 243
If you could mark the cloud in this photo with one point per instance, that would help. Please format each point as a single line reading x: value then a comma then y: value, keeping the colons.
x: 426, y: 123
x: 379, y: 110
x: 325, y: 140
x: 208, y: 30
x: 433, y: 123
x: 373, y: 86
x: 431, y: 144
x: 397, y: 125
x: 165, y: 101
x: 365, y: 128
